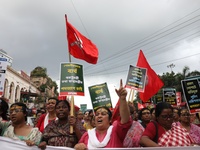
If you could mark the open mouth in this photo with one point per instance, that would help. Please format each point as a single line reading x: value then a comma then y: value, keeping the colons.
x: 99, y: 121
x: 61, y: 114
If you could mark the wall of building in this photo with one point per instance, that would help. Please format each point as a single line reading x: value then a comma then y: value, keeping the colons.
x: 16, y: 82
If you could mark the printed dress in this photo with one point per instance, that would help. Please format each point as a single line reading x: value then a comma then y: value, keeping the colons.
x: 35, y: 135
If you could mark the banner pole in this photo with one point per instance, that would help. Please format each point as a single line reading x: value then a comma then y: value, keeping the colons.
x: 132, y: 95
x: 129, y: 98
x: 72, y: 97
x: 71, y: 111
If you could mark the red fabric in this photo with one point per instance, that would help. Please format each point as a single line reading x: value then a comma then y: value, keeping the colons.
x: 154, y: 83
x: 150, y: 131
x: 115, y: 113
x: 62, y: 97
x: 76, y: 108
x: 117, y: 136
x: 177, y: 136
x: 140, y: 106
x: 40, y: 123
x: 133, y: 135
x: 79, y: 46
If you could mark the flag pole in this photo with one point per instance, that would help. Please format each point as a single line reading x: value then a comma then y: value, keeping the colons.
x: 72, y: 97
x: 68, y: 44
x: 71, y: 111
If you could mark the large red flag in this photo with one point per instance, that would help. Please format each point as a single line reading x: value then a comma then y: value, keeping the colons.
x: 79, y: 46
x: 153, y: 83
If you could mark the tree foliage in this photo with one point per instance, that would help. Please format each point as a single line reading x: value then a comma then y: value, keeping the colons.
x: 39, y: 72
x: 42, y: 72
x: 172, y: 80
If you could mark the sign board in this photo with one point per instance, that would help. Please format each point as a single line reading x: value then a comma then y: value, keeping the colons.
x: 169, y: 96
x: 3, y: 67
x: 158, y: 98
x: 71, y: 79
x: 191, y: 91
x: 136, y: 78
x: 100, y: 96
x: 83, y: 107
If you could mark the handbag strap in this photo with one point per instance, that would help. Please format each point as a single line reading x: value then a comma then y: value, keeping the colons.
x: 155, y: 139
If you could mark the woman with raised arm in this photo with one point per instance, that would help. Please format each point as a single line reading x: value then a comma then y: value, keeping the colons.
x: 106, y: 135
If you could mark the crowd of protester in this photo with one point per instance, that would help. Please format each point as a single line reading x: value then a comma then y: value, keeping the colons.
x: 160, y: 126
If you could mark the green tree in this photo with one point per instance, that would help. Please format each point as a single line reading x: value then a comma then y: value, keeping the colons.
x: 42, y: 72
x: 39, y: 72
x: 168, y: 79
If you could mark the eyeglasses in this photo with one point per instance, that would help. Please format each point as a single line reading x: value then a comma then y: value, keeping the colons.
x: 80, y: 114
x: 167, y: 116
x: 146, y: 113
x: 186, y: 115
x: 16, y: 110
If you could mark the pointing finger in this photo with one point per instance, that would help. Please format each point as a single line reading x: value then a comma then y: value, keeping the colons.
x: 121, y: 83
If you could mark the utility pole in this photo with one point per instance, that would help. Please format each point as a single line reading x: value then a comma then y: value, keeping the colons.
x: 171, y: 66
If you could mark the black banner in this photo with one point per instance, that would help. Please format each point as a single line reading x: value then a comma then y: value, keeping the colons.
x: 191, y: 90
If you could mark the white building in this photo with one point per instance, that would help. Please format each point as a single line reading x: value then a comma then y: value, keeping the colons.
x: 17, y: 85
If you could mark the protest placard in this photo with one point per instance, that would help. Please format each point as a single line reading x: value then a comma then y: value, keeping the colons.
x: 169, y: 96
x: 191, y: 91
x: 136, y: 78
x: 100, y: 96
x: 71, y: 79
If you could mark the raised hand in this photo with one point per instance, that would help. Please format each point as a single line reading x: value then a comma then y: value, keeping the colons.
x: 121, y: 92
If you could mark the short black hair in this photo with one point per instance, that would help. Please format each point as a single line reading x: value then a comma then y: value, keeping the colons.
x: 151, y: 110
x: 160, y: 106
x: 4, y: 108
x: 140, y: 112
x: 65, y: 101
x: 24, y: 108
x: 53, y: 98
x: 180, y: 110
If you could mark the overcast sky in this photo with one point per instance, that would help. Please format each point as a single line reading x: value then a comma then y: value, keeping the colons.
x: 33, y: 33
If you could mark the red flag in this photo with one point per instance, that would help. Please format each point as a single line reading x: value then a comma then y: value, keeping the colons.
x: 140, y: 106
x: 153, y: 84
x: 79, y: 46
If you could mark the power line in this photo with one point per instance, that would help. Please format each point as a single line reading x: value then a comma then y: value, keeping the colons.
x: 173, y: 60
x: 127, y: 49
x: 147, y: 40
x: 122, y: 63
